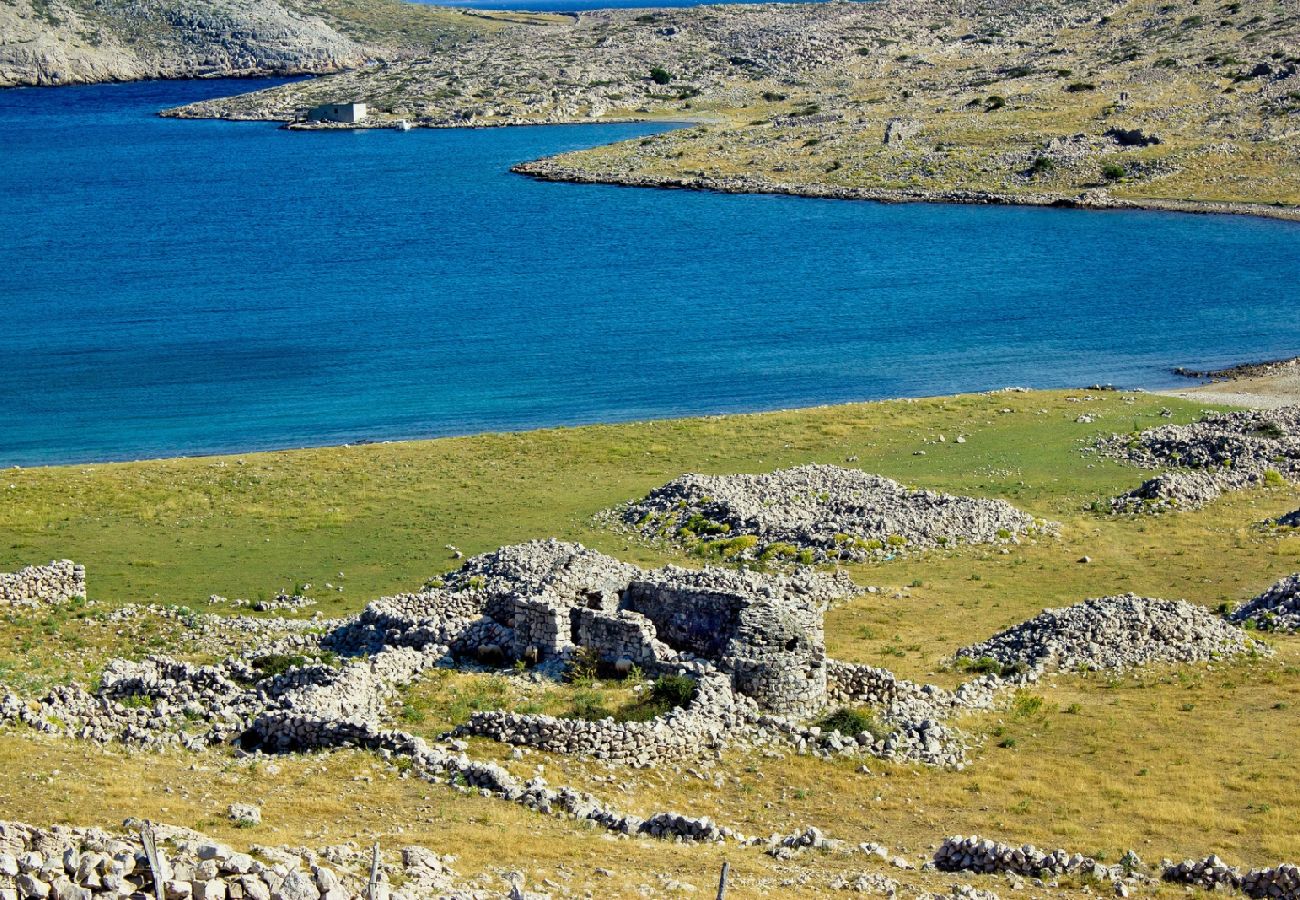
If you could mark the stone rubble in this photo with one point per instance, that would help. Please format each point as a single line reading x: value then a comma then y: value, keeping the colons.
x: 1114, y: 633
x: 1279, y: 882
x: 976, y: 854
x: 58, y: 582
x: 824, y: 512
x: 1277, y: 609
x: 1221, y: 452
x: 63, y: 863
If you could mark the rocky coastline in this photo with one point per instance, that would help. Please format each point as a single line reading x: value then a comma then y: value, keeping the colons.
x: 549, y: 170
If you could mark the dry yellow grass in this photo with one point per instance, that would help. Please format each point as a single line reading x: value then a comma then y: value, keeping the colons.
x: 1174, y: 761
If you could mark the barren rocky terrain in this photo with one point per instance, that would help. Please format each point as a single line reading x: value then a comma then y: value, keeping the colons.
x: 53, y: 42
x: 1190, y: 105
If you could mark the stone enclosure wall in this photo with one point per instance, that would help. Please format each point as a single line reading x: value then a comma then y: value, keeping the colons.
x: 57, y: 582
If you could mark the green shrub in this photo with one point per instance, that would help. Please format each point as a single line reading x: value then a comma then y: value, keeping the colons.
x: 659, y: 75
x: 994, y: 102
x: 666, y: 694
x: 850, y: 722
x: 698, y: 523
x: 1042, y: 165
x: 1113, y: 171
x: 587, y: 704
x: 583, y: 666
x: 277, y: 664
x: 778, y: 550
x: 674, y: 690
x: 1079, y: 87
x: 1025, y: 704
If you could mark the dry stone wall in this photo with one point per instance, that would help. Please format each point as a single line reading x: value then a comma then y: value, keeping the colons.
x: 58, y: 582
x: 62, y: 863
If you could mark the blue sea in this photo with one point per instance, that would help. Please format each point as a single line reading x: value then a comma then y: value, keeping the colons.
x: 177, y: 288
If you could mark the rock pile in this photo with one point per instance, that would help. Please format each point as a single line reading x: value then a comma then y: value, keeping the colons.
x: 1221, y: 452
x: 91, y: 864
x: 1281, y: 882
x: 1290, y: 520
x: 976, y: 854
x: 1114, y: 633
x: 817, y: 513
x: 58, y: 582
x: 1277, y: 609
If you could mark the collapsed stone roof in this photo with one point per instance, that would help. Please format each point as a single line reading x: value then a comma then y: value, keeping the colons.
x: 827, y: 511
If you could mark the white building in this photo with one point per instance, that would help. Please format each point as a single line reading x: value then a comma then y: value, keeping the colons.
x: 346, y: 113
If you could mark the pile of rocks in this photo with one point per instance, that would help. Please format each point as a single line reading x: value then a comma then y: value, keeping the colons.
x: 1221, y: 452
x: 89, y: 863
x: 1277, y: 609
x: 976, y: 854
x: 818, y: 513
x: 1281, y: 882
x: 1114, y: 633
x: 58, y: 582
x: 1290, y: 520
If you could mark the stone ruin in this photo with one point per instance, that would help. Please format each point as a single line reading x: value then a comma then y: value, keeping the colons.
x: 542, y: 602
x: 58, y: 582
x: 817, y: 513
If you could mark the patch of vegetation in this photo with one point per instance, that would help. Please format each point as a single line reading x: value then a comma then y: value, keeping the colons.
x: 851, y: 722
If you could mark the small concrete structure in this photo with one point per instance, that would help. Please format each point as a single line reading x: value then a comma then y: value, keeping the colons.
x: 343, y: 113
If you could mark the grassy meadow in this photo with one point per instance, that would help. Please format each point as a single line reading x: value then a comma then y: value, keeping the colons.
x: 1171, y: 761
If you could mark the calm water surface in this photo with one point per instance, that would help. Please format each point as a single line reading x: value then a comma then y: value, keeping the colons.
x: 175, y: 287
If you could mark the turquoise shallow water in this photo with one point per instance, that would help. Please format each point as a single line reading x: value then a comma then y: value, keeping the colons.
x: 175, y: 287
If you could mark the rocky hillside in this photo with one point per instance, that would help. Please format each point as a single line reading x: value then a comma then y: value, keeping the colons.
x: 50, y: 42
x: 1091, y: 102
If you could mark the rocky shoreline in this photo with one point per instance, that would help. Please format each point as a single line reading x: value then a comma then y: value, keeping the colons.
x: 1241, y: 371
x: 549, y: 170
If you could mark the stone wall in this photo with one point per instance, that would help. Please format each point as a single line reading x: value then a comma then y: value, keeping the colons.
x: 57, y: 582
x: 89, y: 863
x: 713, y: 716
x: 765, y: 631
x: 623, y: 635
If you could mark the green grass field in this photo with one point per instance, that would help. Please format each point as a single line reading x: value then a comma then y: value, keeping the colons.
x: 1172, y: 761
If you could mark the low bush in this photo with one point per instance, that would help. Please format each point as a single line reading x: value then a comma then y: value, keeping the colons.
x: 850, y: 722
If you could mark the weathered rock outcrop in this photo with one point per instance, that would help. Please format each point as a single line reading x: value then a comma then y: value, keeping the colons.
x: 70, y: 41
